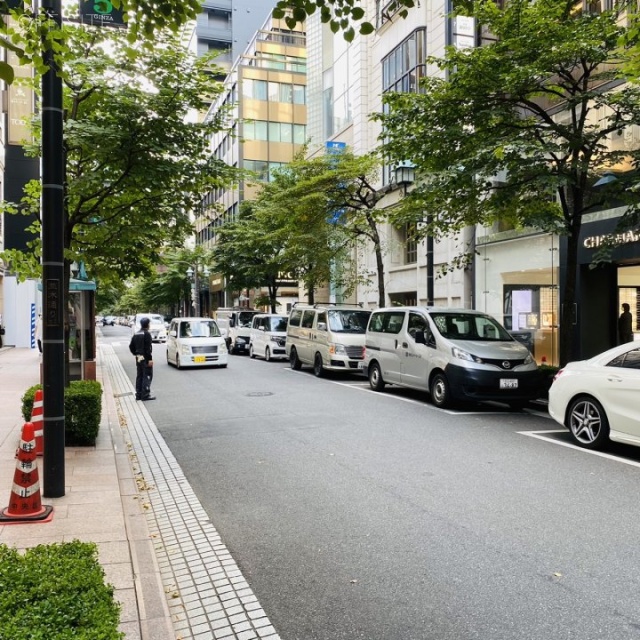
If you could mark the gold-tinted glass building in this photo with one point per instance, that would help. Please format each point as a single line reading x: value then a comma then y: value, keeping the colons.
x: 266, y: 93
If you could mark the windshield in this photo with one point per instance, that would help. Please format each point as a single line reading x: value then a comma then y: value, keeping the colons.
x: 199, y: 329
x: 343, y: 321
x: 278, y: 324
x: 470, y: 326
x: 245, y: 318
x: 156, y: 319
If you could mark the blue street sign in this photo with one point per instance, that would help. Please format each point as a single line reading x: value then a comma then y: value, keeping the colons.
x: 335, y: 147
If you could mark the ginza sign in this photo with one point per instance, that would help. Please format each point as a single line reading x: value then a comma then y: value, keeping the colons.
x: 611, y: 239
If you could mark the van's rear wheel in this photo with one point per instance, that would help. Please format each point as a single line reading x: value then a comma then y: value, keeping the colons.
x: 177, y: 360
x: 251, y: 352
x: 294, y: 361
x: 318, y: 369
x: 375, y: 377
x: 440, y: 392
x: 267, y: 354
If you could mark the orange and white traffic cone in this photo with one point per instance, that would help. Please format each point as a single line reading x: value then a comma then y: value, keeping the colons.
x: 25, y: 504
x: 37, y: 420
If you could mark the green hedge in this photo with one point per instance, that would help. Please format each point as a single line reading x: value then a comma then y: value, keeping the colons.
x: 82, y: 409
x: 56, y: 592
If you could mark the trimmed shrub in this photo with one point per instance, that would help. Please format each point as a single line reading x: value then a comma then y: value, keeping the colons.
x: 56, y: 592
x: 82, y: 409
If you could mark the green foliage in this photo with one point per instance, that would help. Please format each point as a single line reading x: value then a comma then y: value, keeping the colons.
x: 82, y: 408
x: 137, y: 164
x: 307, y: 222
x: 341, y: 15
x: 56, y: 592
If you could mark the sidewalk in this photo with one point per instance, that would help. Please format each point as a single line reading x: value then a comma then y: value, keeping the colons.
x: 172, y: 574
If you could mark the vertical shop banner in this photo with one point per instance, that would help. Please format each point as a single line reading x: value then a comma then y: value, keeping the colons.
x: 101, y: 13
x: 21, y: 100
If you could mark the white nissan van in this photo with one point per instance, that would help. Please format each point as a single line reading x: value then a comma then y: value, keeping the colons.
x: 456, y: 355
x: 330, y: 337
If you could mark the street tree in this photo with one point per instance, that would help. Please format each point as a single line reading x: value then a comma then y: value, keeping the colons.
x: 341, y: 187
x: 137, y: 164
x: 308, y: 217
x: 521, y: 129
x: 247, y: 252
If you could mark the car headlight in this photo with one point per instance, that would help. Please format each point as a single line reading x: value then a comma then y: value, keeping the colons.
x: 274, y: 339
x: 528, y: 359
x: 465, y: 355
x: 185, y: 349
x: 337, y: 349
x: 222, y: 348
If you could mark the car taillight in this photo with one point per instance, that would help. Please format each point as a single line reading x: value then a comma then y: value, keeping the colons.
x: 558, y: 374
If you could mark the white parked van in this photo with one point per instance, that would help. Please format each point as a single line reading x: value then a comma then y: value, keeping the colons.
x: 195, y: 342
x: 454, y: 354
x: 238, y: 322
x: 268, y: 336
x: 330, y: 337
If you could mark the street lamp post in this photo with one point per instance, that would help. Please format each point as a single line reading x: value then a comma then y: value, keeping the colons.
x: 193, y: 273
x: 405, y: 176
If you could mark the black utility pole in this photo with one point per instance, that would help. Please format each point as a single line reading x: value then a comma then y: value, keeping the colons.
x: 53, y: 284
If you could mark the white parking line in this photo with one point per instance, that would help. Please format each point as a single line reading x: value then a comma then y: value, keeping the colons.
x: 540, y: 436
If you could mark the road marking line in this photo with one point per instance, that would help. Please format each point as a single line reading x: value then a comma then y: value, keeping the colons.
x: 569, y: 445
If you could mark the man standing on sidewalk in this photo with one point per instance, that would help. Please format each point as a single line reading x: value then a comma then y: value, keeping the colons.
x: 141, y: 347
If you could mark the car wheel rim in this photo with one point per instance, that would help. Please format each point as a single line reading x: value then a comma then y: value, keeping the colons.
x: 267, y: 355
x: 375, y: 376
x: 586, y: 422
x: 439, y: 391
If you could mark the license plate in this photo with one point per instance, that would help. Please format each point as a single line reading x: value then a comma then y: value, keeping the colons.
x: 360, y: 365
x: 508, y: 383
x: 199, y: 359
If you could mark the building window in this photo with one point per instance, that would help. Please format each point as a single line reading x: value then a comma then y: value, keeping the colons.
x: 402, y: 70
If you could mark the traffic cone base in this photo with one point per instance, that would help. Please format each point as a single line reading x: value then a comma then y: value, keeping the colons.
x: 24, y: 504
x: 45, y: 516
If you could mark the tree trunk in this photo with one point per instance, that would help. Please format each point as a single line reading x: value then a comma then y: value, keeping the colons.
x: 569, y: 311
x: 375, y: 236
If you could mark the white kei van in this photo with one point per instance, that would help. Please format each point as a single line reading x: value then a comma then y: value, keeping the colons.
x: 455, y: 354
x: 156, y: 326
x: 268, y: 336
x: 238, y: 325
x: 195, y: 342
x: 330, y: 337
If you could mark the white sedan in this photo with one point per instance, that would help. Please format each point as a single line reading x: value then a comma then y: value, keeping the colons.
x: 597, y: 399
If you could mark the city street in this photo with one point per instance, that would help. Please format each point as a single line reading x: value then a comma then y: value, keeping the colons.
x: 354, y: 514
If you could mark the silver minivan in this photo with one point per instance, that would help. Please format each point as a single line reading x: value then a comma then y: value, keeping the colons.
x: 330, y: 337
x: 456, y: 355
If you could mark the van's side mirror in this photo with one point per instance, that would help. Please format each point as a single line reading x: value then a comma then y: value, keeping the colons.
x: 420, y: 337
x: 232, y: 322
x: 322, y: 326
x: 262, y: 329
x: 173, y: 334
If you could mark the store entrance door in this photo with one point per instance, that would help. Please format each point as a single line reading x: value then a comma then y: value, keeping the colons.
x: 629, y: 293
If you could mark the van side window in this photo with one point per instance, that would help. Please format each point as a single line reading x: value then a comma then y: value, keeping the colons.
x: 294, y: 320
x: 393, y: 321
x: 377, y: 322
x: 322, y: 317
x: 307, y: 319
x: 417, y: 323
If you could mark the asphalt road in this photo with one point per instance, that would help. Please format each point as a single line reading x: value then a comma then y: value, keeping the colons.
x: 377, y: 516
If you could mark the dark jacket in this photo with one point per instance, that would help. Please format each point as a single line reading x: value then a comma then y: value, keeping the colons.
x: 141, y: 345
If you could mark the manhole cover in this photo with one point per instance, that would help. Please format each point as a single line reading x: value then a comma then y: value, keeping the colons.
x: 259, y: 394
